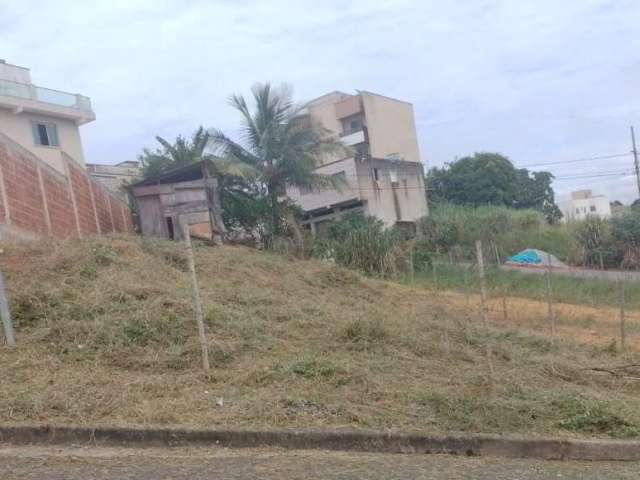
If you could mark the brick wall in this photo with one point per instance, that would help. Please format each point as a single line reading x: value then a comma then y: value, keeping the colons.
x: 37, y: 201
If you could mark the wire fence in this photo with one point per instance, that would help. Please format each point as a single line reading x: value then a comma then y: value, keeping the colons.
x: 599, y: 308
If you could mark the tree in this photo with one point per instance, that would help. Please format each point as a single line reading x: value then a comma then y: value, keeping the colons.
x: 182, y: 152
x: 491, y: 179
x: 281, y: 144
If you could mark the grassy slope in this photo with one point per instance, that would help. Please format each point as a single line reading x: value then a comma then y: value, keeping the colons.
x: 106, y: 335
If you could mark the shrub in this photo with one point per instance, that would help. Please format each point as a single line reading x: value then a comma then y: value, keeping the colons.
x: 362, y: 243
x: 449, y: 227
x: 595, y: 242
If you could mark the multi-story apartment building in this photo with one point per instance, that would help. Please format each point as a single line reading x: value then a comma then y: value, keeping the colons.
x: 383, y: 176
x: 44, y: 121
x: 45, y: 189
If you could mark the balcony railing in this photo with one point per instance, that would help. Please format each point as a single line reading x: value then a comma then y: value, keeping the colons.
x: 45, y: 95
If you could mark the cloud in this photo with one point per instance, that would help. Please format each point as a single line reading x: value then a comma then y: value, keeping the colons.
x: 535, y: 80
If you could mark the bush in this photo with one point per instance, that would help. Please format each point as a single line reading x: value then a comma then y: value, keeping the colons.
x: 362, y: 243
x: 595, y: 243
x: 449, y: 227
x: 625, y: 230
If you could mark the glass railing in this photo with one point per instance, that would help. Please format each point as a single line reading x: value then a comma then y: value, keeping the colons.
x: 45, y: 95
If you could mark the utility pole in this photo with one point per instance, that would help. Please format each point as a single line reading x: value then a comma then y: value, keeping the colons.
x: 635, y: 158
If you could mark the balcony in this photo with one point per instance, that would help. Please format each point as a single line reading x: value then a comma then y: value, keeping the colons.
x: 353, y: 138
x: 28, y: 97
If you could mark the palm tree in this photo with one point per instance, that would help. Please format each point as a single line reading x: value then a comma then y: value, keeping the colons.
x: 283, y: 145
x: 183, y: 152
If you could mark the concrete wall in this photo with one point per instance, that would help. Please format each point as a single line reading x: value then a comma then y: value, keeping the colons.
x: 391, y: 127
x: 323, y: 110
x: 37, y: 201
x: 18, y: 128
x: 403, y: 202
x: 325, y: 198
x: 14, y: 73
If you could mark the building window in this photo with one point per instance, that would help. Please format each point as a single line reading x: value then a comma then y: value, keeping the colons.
x: 352, y: 124
x: 592, y: 208
x: 45, y: 134
x: 376, y: 174
x: 577, y: 211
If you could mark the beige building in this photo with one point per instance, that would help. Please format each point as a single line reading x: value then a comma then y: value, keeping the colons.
x: 383, y: 177
x: 44, y: 121
x: 116, y: 177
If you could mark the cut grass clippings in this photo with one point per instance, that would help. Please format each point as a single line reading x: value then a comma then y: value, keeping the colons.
x: 106, y: 336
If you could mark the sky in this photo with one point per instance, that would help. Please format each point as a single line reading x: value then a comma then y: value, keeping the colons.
x: 541, y: 81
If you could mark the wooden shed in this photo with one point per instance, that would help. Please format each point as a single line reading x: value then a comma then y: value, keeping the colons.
x: 187, y: 194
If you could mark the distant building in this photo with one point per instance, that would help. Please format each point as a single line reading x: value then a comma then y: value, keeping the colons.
x: 584, y: 203
x: 116, y: 177
x: 384, y: 178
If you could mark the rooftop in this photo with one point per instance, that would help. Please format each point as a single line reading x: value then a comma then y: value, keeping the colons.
x: 19, y: 94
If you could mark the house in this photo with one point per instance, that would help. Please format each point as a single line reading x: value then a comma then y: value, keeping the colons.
x: 44, y: 187
x: 584, y: 203
x: 116, y: 177
x: 186, y: 194
x: 383, y: 177
x: 44, y: 121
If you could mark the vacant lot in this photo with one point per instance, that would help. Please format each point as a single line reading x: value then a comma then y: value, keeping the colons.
x: 106, y: 335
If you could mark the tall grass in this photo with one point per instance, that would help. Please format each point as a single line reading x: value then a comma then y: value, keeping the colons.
x: 362, y: 243
x: 456, y: 228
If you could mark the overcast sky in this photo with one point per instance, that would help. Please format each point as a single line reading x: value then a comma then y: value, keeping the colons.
x: 539, y: 81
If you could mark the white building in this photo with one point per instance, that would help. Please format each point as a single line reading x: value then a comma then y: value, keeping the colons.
x: 584, y: 203
x: 42, y: 120
x: 384, y: 178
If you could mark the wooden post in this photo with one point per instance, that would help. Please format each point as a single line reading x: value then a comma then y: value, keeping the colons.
x: 435, y: 275
x: 195, y: 293
x: 505, y: 312
x: 483, y: 306
x: 483, y: 284
x: 549, y: 297
x: 7, y: 323
x: 623, y: 333
x: 411, y: 267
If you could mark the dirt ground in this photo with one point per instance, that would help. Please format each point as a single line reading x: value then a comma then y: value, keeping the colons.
x: 79, y: 463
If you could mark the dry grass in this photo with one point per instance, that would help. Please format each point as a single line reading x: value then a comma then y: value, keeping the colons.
x: 106, y: 336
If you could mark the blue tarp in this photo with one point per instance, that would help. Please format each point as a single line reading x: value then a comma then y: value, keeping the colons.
x: 527, y: 257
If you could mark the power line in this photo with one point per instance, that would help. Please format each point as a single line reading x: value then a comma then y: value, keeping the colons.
x: 577, y: 160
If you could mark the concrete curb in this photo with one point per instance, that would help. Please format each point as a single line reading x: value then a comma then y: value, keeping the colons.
x: 360, y: 441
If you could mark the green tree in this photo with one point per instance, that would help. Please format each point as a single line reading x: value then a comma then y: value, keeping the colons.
x: 491, y: 179
x: 182, y: 152
x: 283, y: 145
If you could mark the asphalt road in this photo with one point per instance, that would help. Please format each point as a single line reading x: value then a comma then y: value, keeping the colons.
x: 47, y: 463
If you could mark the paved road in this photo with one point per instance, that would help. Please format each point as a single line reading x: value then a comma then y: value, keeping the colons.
x: 75, y: 463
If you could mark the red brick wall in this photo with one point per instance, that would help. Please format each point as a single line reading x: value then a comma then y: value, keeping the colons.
x: 84, y: 203
x: 22, y: 190
x: 60, y: 207
x: 36, y: 200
